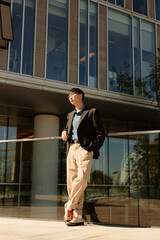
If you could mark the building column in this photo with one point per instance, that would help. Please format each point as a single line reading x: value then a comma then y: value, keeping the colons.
x: 45, y: 161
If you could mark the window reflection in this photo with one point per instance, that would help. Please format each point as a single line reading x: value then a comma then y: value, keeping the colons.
x: 118, y: 161
x: 28, y: 36
x: 137, y: 57
x: 93, y: 46
x: 15, y: 47
x: 148, y: 56
x: 28, y: 43
x: 83, y: 50
x: 57, y: 40
x: 99, y: 173
x: 120, y: 52
x: 88, y: 44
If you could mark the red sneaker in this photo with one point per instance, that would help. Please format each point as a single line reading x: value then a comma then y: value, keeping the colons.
x: 68, y: 214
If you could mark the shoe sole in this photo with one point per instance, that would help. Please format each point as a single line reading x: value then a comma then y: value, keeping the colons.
x: 69, y: 224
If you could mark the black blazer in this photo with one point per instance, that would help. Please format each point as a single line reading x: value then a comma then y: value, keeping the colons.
x: 90, y: 130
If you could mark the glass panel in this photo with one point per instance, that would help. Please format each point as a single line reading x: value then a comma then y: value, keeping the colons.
x: 39, y: 195
x: 28, y: 43
x: 149, y: 206
x: 148, y: 58
x: 157, y: 9
x: 83, y: 48
x: 154, y: 156
x: 93, y: 46
x: 57, y: 40
x: 15, y: 49
x: 138, y: 157
x: 120, y: 52
x: 137, y: 57
x: 9, y: 201
x: 111, y: 1
x: 140, y: 6
x: 118, y: 161
x: 120, y: 3
x: 99, y: 173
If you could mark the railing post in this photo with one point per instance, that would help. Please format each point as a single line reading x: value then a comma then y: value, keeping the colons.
x: 20, y: 178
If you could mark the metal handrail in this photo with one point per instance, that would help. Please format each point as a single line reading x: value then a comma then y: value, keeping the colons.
x: 30, y: 139
x: 132, y: 133
x: 59, y: 137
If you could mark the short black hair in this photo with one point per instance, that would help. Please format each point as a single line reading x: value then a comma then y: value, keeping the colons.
x: 77, y: 90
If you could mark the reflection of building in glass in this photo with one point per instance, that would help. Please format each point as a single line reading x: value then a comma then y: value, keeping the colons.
x: 107, y: 48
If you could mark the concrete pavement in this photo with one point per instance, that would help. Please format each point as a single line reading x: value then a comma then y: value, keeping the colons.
x: 28, y: 229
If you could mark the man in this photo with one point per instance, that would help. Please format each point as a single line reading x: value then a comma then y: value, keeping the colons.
x: 84, y: 135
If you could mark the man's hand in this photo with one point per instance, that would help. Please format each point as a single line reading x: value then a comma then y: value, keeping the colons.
x: 64, y: 135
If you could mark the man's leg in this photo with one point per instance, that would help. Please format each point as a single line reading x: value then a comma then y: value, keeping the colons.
x: 83, y: 163
x: 71, y: 174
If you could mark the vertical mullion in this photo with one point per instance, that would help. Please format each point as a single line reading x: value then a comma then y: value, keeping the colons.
x: 20, y: 178
x: 34, y: 48
x: 9, y: 44
x: 133, y: 61
x: 107, y: 47
x: 88, y: 23
x: 141, y: 70
x: 22, y: 39
x: 98, y: 49
x: 156, y: 42
x: 147, y: 8
x: 68, y: 41
x: 78, y: 39
x: 46, y: 38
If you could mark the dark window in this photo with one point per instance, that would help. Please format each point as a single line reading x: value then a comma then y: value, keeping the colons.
x: 140, y: 6
x: 158, y: 9
x: 111, y: 1
x: 117, y: 2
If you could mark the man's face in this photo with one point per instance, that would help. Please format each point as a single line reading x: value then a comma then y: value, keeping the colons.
x: 75, y: 98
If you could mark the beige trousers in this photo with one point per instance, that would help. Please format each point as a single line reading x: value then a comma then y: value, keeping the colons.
x: 79, y: 163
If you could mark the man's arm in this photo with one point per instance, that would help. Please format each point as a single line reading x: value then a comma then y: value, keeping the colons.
x: 65, y: 134
x: 99, y: 130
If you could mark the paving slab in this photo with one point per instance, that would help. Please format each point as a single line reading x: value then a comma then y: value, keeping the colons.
x: 27, y: 229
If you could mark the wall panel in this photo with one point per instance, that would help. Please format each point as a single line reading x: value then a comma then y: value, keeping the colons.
x: 129, y: 4
x: 73, y: 42
x: 151, y: 8
x: 40, y: 38
x: 3, y: 59
x: 102, y: 47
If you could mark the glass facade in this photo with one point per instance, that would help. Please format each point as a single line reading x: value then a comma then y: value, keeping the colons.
x: 140, y: 6
x: 57, y: 40
x: 130, y: 60
x: 22, y: 48
x: 120, y: 58
x: 157, y: 7
x: 121, y: 184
